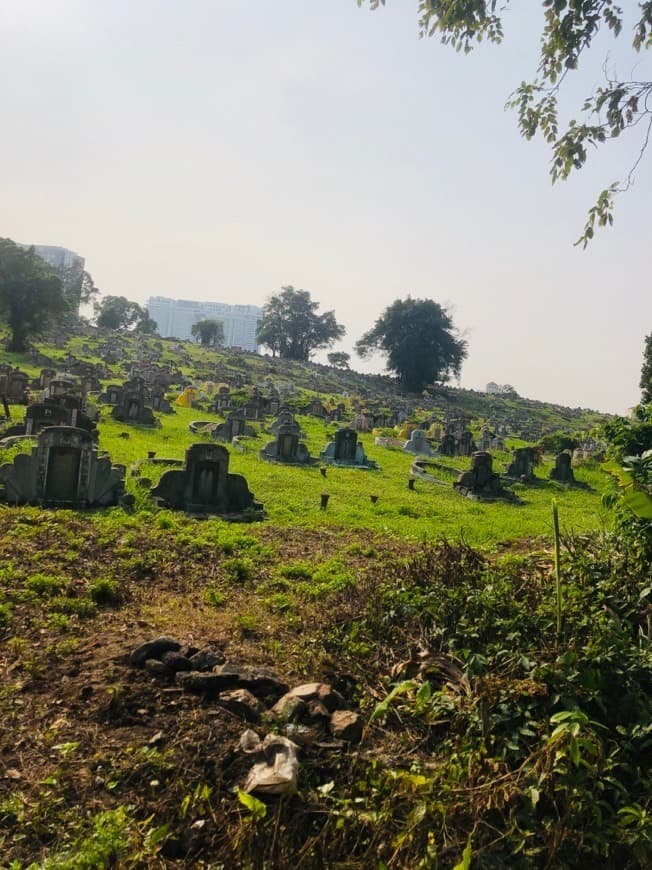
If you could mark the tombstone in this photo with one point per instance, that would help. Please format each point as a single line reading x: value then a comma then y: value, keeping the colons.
x: 223, y: 399
x: 417, y: 443
x: 42, y: 414
x: 235, y: 426
x: 205, y: 485
x: 159, y: 402
x: 448, y: 446
x: 522, y: 465
x: 287, y: 447
x: 316, y: 409
x: 133, y: 410
x: 345, y: 450
x: 15, y: 387
x: 252, y: 410
x: 481, y: 482
x: 562, y: 472
x: 63, y: 470
x: 466, y: 445
x: 45, y: 377
x: 112, y: 395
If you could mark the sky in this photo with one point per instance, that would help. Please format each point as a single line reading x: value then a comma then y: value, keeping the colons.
x: 221, y: 149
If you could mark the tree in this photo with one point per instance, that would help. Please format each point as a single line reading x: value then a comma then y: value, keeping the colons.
x: 31, y: 296
x: 292, y: 328
x: 145, y: 324
x: 570, y: 27
x: 646, y: 372
x: 209, y: 333
x: 339, y: 360
x: 419, y: 340
x: 117, y: 312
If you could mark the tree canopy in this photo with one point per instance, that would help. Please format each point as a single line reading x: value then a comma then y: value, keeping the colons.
x: 209, y: 333
x: 291, y: 327
x: 646, y: 372
x: 419, y: 340
x: 570, y: 27
x: 339, y: 359
x: 31, y: 296
x: 119, y: 313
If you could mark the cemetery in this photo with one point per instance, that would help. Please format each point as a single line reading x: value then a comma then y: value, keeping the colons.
x: 146, y: 616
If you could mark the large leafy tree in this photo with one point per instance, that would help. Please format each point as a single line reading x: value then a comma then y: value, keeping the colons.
x: 570, y: 27
x: 419, y: 340
x: 209, y: 333
x: 119, y: 313
x: 646, y: 372
x: 291, y: 327
x: 31, y: 296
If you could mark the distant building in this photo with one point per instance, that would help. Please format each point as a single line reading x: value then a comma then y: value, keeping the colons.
x: 176, y: 317
x: 68, y: 265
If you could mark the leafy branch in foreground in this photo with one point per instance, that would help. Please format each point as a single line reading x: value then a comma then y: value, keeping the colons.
x: 568, y: 32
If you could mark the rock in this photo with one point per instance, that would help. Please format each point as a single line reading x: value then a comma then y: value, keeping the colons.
x: 242, y: 703
x: 206, y: 659
x: 346, y: 725
x: 176, y: 661
x: 200, y: 681
x: 316, y: 710
x: 331, y: 699
x: 249, y: 741
x: 260, y: 681
x: 153, y: 649
x: 156, y: 667
x: 288, y: 708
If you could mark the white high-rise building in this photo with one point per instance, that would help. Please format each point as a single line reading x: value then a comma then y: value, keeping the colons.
x: 176, y: 317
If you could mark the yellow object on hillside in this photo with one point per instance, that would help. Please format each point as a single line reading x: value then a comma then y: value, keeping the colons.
x: 188, y: 398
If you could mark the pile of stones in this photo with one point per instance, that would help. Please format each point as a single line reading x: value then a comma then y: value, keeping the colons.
x: 310, y: 713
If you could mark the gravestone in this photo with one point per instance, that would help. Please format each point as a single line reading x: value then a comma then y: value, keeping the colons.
x: 205, y: 485
x: 14, y: 385
x: 417, y: 443
x: 346, y: 450
x: 63, y: 470
x: 287, y: 447
x: 481, y: 481
x: 234, y: 426
x: 159, y: 402
x: 112, y: 395
x: 562, y: 472
x: 133, y: 409
x: 42, y: 414
x: 522, y: 466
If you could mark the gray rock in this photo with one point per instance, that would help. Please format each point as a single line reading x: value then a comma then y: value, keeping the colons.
x: 200, y: 681
x: 207, y: 659
x: 288, y: 708
x: 156, y: 667
x: 242, y: 703
x: 153, y: 649
x: 260, y: 681
x: 176, y: 661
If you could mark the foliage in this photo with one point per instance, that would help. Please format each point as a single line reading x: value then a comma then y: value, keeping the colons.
x: 209, y: 333
x: 619, y: 105
x: 418, y: 338
x: 630, y: 436
x: 339, y: 359
x: 31, y: 296
x: 291, y: 327
x: 119, y: 313
x: 646, y: 372
x: 557, y: 442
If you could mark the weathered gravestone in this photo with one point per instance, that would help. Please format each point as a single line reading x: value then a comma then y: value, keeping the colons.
x: 205, y: 485
x: 133, y: 409
x: 235, y: 426
x: 562, y: 472
x: 417, y: 443
x: 14, y: 386
x: 63, y: 470
x: 522, y: 465
x: 481, y: 482
x: 287, y: 447
x: 345, y: 449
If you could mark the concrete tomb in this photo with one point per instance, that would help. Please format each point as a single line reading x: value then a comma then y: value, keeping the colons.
x: 287, y: 447
x: 563, y: 472
x: 481, y: 482
x: 346, y: 450
x: 205, y: 485
x: 418, y: 443
x: 63, y: 470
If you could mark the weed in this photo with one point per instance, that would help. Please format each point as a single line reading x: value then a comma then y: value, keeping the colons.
x: 105, y: 592
x: 213, y: 597
x: 239, y: 569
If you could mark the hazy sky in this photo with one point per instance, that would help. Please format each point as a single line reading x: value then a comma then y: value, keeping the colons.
x: 218, y: 149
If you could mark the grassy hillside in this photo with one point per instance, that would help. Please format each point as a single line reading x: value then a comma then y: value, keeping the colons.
x: 489, y: 738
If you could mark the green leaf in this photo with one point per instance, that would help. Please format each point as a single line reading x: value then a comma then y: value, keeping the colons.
x: 257, y: 808
x: 467, y: 854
